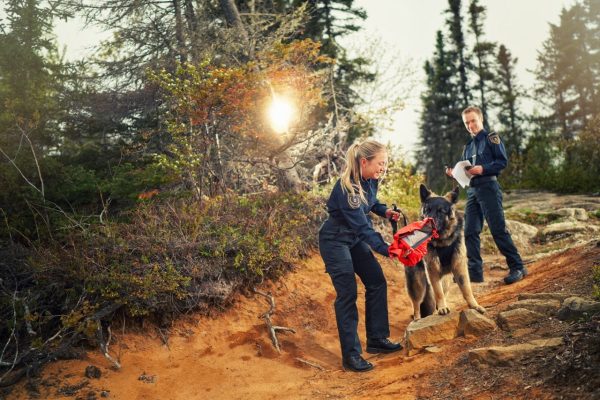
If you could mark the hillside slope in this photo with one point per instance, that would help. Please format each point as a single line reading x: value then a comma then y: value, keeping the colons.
x: 230, y: 356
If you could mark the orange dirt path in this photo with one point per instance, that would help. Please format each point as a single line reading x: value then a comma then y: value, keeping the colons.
x: 231, y: 356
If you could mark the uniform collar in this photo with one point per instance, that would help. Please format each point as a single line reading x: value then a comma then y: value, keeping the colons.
x: 480, y: 135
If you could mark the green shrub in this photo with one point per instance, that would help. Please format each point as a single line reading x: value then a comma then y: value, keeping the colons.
x: 176, y: 255
x: 401, y: 187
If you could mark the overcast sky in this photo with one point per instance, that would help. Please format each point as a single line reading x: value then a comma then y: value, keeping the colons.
x: 409, y: 28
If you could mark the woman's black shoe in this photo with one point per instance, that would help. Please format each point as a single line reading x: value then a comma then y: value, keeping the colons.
x: 376, y: 346
x: 356, y: 364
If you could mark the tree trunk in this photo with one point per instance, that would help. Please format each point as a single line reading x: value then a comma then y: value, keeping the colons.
x: 232, y: 16
x: 179, y: 31
x: 292, y: 180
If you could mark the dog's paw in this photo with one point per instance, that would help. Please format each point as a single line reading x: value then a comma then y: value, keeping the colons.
x: 444, y: 311
x: 479, y: 309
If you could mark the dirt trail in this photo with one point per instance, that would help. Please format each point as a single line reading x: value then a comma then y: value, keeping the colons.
x: 231, y: 356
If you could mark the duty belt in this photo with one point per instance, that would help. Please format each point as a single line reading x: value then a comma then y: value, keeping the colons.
x: 479, y: 180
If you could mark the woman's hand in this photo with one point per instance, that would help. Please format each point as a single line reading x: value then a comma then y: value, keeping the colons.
x: 394, y: 215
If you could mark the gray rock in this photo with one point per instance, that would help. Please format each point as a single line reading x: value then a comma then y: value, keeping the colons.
x: 577, y: 307
x: 576, y: 213
x: 545, y: 296
x: 521, y: 233
x: 569, y: 227
x: 518, y: 318
x: 548, y: 307
x: 432, y: 329
x: 93, y: 372
x: 521, y: 229
x: 433, y: 349
x: 472, y: 323
x: 509, y: 355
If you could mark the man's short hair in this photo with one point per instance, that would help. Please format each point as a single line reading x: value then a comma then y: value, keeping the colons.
x: 474, y: 109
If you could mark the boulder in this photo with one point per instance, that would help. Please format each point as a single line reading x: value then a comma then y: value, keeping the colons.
x: 472, y: 323
x: 548, y: 307
x: 577, y: 307
x: 545, y: 296
x: 567, y: 227
x: 578, y: 214
x: 429, y: 330
x: 518, y: 318
x: 509, y: 355
x: 521, y: 233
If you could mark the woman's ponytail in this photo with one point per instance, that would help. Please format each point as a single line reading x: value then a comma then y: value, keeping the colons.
x: 350, y: 178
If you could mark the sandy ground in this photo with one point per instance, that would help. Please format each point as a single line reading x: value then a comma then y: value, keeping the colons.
x: 231, y: 356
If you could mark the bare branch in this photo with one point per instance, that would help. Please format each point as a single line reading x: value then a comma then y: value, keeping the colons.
x: 267, y: 317
x: 312, y: 364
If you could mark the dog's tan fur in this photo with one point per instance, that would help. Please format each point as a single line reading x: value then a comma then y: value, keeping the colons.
x: 446, y: 254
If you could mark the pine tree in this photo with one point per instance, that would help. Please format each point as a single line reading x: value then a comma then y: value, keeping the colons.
x: 442, y: 131
x: 329, y: 20
x: 508, y: 93
x: 454, y: 22
x: 566, y: 72
x: 30, y: 70
x: 483, y: 52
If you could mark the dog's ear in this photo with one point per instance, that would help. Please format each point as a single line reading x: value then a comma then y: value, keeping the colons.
x: 425, y: 193
x: 452, y: 196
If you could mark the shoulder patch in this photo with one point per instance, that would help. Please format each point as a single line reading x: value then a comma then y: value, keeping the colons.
x: 353, y: 200
x: 494, y: 138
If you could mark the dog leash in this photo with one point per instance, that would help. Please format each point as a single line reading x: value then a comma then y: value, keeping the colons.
x: 394, y: 222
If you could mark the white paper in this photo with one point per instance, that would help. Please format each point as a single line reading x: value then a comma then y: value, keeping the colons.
x: 460, y: 173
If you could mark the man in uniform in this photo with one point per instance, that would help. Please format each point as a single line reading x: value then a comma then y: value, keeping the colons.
x: 488, y: 157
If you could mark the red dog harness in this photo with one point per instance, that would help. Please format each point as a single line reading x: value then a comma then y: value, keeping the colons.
x: 410, y: 243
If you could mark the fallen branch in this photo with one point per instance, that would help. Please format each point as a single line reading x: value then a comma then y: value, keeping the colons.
x: 104, y: 345
x: 312, y: 364
x: 267, y: 317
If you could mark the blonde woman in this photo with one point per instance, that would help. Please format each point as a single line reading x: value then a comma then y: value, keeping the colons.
x: 345, y: 242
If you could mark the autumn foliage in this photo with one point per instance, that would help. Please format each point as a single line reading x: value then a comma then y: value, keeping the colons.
x: 216, y: 114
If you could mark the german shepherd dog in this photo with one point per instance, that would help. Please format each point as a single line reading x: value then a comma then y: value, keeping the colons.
x: 445, y: 255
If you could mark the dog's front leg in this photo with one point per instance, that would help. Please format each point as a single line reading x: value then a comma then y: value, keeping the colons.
x: 464, y: 283
x: 435, y: 276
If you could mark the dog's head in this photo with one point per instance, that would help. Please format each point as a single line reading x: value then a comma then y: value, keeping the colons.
x: 441, y: 209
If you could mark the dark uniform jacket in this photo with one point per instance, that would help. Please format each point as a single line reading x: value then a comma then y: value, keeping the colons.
x: 486, y: 149
x: 347, y: 210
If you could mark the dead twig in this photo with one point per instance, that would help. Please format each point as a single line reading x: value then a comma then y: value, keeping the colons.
x: 267, y: 317
x: 312, y: 364
x: 104, y: 346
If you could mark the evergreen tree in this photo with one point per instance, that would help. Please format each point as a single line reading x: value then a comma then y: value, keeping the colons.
x: 566, y: 72
x: 454, y: 22
x: 483, y: 52
x: 508, y: 93
x: 442, y: 130
x: 329, y: 20
x: 29, y: 67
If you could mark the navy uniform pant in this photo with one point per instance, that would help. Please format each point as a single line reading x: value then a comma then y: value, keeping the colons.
x: 345, y: 256
x: 485, y: 201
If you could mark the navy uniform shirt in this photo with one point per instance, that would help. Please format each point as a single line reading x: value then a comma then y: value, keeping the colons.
x: 348, y: 209
x: 486, y: 149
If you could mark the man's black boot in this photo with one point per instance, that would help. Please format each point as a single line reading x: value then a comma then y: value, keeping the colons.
x: 356, y: 363
x: 375, y: 346
x: 515, y: 275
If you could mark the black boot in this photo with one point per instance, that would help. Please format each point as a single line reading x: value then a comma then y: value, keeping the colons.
x: 375, y: 346
x: 515, y: 275
x: 356, y: 363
